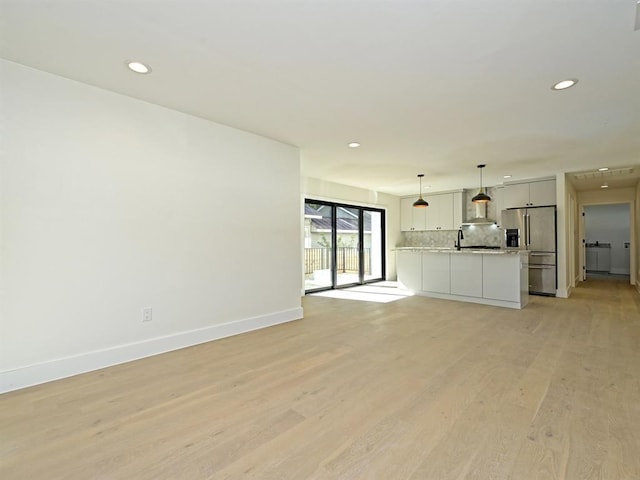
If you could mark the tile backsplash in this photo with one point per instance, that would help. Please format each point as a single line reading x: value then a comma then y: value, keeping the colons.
x: 490, y: 235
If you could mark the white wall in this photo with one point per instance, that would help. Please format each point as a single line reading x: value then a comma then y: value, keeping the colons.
x: 610, y: 224
x: 635, y: 219
x: 563, y: 252
x: 322, y: 190
x: 109, y: 205
x: 572, y: 244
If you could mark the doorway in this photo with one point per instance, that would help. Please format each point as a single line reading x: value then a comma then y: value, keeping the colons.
x: 343, y: 245
x: 607, y: 240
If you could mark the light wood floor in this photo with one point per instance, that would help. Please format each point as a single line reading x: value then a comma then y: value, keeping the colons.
x: 414, y: 389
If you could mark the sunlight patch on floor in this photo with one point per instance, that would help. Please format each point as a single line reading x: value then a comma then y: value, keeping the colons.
x: 368, y: 293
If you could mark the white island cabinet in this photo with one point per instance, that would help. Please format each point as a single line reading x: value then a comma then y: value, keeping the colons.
x: 409, y: 266
x: 496, y: 278
x: 466, y: 274
x: 436, y: 272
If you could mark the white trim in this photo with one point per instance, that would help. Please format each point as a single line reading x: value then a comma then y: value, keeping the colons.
x: 66, y: 367
x: 440, y: 192
x: 620, y: 271
x: 354, y: 203
x: 464, y: 298
x: 531, y: 180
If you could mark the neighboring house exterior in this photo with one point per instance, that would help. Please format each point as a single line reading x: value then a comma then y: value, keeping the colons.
x: 317, y: 239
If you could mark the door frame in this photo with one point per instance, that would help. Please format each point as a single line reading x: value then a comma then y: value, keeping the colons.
x: 633, y: 225
x: 334, y: 244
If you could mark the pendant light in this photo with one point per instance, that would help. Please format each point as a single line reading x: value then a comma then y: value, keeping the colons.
x: 421, y: 202
x: 481, y: 197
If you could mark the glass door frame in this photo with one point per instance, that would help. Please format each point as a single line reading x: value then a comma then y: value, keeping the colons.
x: 361, y: 244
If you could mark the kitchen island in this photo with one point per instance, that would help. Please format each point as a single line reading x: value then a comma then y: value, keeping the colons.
x: 491, y: 277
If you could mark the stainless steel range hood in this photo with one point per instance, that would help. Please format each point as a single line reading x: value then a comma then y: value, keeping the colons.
x: 480, y: 217
x: 478, y: 221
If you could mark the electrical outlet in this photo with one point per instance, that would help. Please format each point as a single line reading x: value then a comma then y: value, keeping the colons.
x: 147, y: 314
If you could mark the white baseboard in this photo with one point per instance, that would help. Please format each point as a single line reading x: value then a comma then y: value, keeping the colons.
x: 463, y: 298
x: 620, y: 271
x: 568, y: 291
x: 66, y: 367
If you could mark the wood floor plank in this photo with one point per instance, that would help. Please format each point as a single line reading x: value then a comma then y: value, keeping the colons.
x: 417, y: 427
x: 417, y: 388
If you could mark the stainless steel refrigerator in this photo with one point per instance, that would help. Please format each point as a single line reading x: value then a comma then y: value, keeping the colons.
x: 534, y: 229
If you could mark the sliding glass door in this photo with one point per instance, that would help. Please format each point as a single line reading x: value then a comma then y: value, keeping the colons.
x: 318, y: 246
x: 373, y: 239
x: 344, y: 245
x: 347, y: 246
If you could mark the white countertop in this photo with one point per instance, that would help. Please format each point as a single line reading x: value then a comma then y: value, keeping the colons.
x: 463, y: 250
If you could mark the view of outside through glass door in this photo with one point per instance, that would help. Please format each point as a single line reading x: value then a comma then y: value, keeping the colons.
x: 318, y: 246
x: 373, y: 245
x: 344, y: 245
x: 348, y: 246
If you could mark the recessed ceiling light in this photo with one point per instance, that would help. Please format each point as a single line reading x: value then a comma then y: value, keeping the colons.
x: 138, y: 67
x: 603, y: 169
x: 507, y: 176
x: 604, y: 186
x: 564, y: 84
x: 354, y: 145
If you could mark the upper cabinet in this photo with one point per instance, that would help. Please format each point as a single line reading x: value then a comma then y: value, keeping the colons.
x: 542, y: 193
x: 531, y: 194
x: 443, y: 213
x: 411, y: 218
x: 498, y: 204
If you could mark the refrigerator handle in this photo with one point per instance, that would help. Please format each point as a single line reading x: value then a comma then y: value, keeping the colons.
x: 526, y: 230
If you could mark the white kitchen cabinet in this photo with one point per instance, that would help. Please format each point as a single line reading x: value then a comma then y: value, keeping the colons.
x: 466, y: 274
x: 458, y: 209
x: 436, y: 203
x: 598, y: 259
x: 516, y: 195
x: 500, y: 279
x: 406, y: 215
x: 498, y: 272
x: 436, y: 272
x: 412, y: 218
x: 591, y: 259
x: 440, y: 212
x: 531, y: 194
x: 498, y: 201
x: 542, y: 193
x: 445, y: 212
x: 409, y: 265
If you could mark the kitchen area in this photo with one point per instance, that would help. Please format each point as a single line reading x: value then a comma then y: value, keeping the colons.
x: 494, y: 252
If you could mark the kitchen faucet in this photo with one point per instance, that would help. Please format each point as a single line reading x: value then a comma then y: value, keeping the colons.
x: 460, y: 237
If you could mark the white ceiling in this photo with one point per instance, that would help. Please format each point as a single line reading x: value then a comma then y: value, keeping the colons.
x: 425, y: 86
